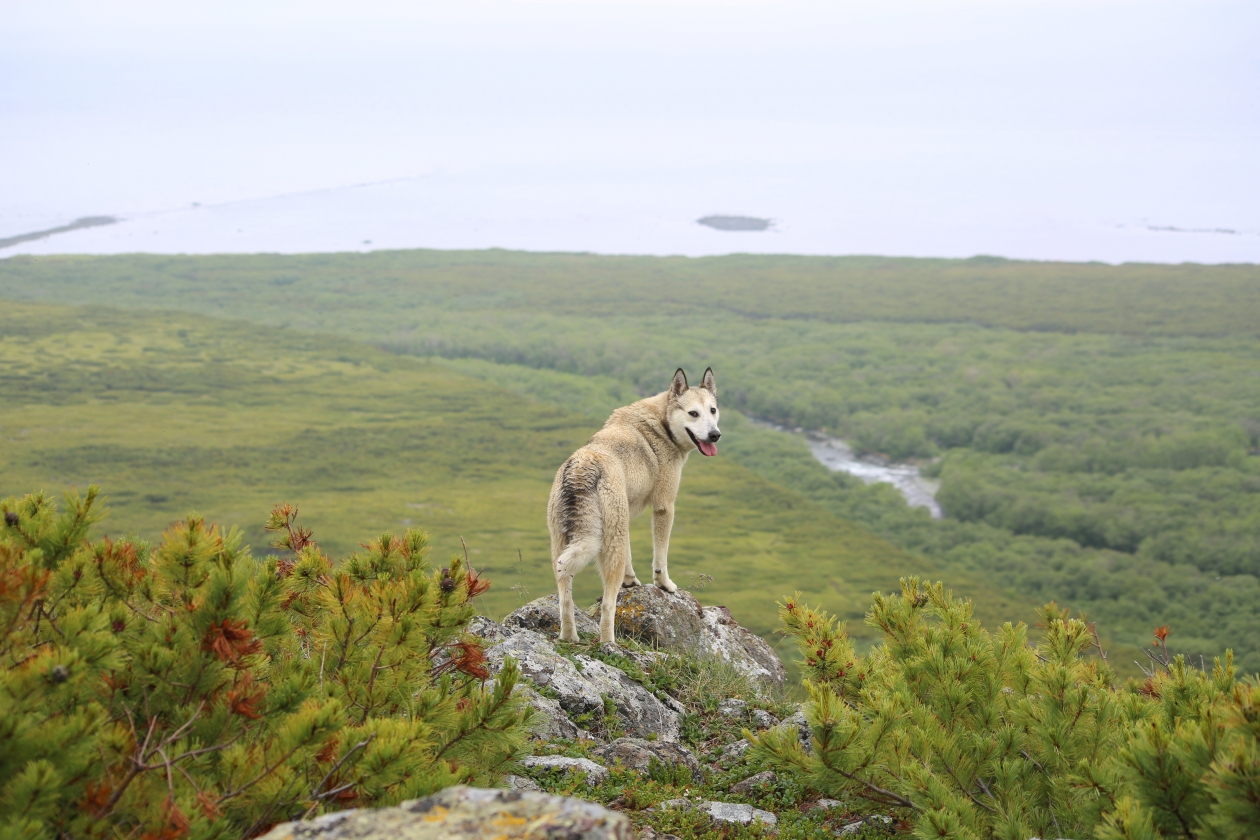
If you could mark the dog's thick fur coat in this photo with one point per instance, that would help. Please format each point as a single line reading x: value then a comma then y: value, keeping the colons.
x: 635, y: 461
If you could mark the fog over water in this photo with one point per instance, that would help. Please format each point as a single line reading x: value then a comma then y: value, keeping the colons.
x: 1104, y: 130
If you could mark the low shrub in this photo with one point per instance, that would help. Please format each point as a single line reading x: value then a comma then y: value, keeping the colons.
x: 191, y: 690
x: 970, y: 734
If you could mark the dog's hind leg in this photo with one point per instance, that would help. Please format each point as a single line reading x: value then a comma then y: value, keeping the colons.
x: 631, y: 579
x: 613, y: 557
x: 569, y: 563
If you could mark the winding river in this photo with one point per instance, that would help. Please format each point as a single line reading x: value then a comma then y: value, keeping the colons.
x: 838, y: 456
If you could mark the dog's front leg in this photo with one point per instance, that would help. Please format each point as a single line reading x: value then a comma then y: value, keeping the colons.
x: 662, y: 525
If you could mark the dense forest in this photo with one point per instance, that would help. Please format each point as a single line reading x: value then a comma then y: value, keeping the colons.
x: 1096, y: 429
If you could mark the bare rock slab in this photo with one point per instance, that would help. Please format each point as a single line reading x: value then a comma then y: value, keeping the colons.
x: 595, y: 774
x: 731, y: 813
x: 543, y: 616
x: 677, y: 621
x: 637, y: 754
x: 550, y: 723
x: 754, y: 782
x: 582, y: 691
x: 465, y: 813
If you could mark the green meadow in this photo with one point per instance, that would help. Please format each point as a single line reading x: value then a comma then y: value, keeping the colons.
x: 1096, y: 429
x: 172, y: 413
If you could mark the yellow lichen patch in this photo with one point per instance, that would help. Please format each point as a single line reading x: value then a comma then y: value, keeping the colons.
x: 438, y: 814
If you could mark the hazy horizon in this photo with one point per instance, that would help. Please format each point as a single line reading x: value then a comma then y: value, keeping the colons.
x: 1112, y: 131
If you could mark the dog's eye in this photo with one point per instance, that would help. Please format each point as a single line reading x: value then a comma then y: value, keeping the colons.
x: 694, y: 413
x: 713, y: 411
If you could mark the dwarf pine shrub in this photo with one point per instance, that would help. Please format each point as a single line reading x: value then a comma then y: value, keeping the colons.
x: 970, y: 734
x: 190, y: 690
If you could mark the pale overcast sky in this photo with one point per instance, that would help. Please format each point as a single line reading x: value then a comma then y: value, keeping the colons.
x: 1064, y: 130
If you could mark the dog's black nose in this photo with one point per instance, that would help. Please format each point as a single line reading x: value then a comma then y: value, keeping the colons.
x: 714, y: 435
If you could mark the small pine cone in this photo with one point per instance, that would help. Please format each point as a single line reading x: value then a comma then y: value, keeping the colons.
x: 448, y: 582
x: 11, y: 519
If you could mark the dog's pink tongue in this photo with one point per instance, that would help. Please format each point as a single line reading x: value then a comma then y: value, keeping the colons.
x: 706, y: 448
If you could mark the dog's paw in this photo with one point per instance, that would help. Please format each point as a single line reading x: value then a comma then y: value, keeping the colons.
x: 667, y: 584
x: 629, y: 582
x: 564, y: 638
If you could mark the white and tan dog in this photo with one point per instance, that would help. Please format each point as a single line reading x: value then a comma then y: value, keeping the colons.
x: 636, y: 460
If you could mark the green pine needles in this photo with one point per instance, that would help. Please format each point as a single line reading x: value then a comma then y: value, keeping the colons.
x: 968, y: 734
x: 191, y: 690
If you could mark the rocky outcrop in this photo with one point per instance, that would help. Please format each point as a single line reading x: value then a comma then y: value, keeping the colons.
x: 677, y: 621
x: 543, y: 616
x: 579, y: 685
x: 572, y: 691
x: 464, y: 813
x: 638, y: 754
x: 550, y: 723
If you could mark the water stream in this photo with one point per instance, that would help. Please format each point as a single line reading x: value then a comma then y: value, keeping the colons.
x: 838, y: 456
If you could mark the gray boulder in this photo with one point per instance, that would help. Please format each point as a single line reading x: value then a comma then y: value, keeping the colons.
x: 736, y: 751
x: 543, y: 616
x: 803, y: 732
x: 753, y: 782
x: 637, y: 754
x: 583, y: 691
x: 487, y: 629
x: 464, y: 813
x: 513, y: 782
x: 742, y: 647
x: 595, y: 774
x: 724, y: 812
x: 550, y: 723
x: 876, y: 820
x: 677, y: 621
x: 761, y: 719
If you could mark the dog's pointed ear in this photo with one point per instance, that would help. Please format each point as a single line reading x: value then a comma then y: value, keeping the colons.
x: 679, y: 384
x: 707, y: 383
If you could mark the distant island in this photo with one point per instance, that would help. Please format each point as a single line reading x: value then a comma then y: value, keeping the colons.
x: 735, y: 223
x: 85, y: 222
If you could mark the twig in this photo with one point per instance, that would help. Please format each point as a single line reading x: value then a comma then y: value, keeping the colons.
x: 316, y: 795
x: 1093, y: 629
x: 322, y: 657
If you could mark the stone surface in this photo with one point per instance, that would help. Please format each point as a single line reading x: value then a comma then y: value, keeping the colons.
x: 761, y: 719
x: 637, y: 754
x: 677, y: 621
x: 550, y: 722
x: 742, y: 647
x: 543, y: 616
x: 735, y: 751
x: 730, y: 812
x: 733, y: 707
x: 595, y: 774
x: 875, y: 819
x: 724, y: 812
x: 753, y: 782
x: 828, y: 804
x: 486, y: 628
x: 803, y: 731
x: 650, y: 833
x: 582, y: 691
x: 464, y: 813
x: 520, y: 783
x: 658, y: 618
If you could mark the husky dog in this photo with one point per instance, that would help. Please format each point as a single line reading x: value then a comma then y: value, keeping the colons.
x: 635, y: 461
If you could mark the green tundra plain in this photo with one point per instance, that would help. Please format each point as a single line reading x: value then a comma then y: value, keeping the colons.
x: 1095, y: 428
